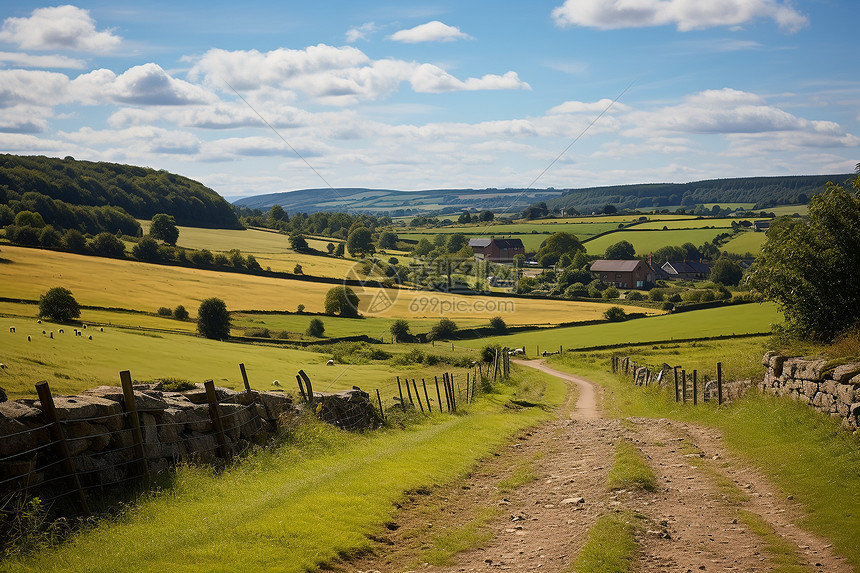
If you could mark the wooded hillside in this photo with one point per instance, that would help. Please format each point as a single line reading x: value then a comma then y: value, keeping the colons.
x: 38, y: 183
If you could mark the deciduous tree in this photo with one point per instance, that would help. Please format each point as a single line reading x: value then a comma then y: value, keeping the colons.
x: 59, y: 305
x: 213, y: 320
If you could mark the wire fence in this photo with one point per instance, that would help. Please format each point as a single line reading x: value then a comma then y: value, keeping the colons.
x: 688, y: 386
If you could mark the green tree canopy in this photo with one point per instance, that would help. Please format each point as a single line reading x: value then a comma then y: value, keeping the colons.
x: 107, y: 245
x: 620, y: 251
x: 341, y: 301
x: 812, y: 269
x: 360, y: 243
x: 557, y: 245
x: 213, y: 320
x: 443, y: 330
x: 727, y: 272
x: 59, y: 305
x: 298, y: 243
x: 315, y: 328
x: 400, y: 329
x: 164, y: 227
x: 387, y: 240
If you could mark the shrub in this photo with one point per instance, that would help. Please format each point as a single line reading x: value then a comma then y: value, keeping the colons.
x: 213, y: 320
x: 488, y: 353
x: 300, y: 309
x: 179, y: 313
x: 400, y: 329
x: 164, y: 311
x: 297, y: 270
x: 107, y: 245
x: 635, y: 295
x: 258, y: 332
x: 59, y: 305
x: 610, y: 293
x: 656, y: 295
x: 576, y: 290
x: 342, y: 301
x: 668, y: 306
x: 615, y: 314
x: 498, y: 325
x: 444, y: 330
x: 315, y: 328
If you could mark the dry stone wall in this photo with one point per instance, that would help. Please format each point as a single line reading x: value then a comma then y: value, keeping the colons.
x: 830, y: 388
x: 175, y: 426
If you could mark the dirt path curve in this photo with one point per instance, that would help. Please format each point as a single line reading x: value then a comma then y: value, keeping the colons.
x: 691, y: 522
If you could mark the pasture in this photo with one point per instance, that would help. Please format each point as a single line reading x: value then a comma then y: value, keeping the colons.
x: 747, y: 242
x: 694, y: 223
x: 112, y: 283
x: 271, y: 249
x: 649, y: 241
x: 720, y: 321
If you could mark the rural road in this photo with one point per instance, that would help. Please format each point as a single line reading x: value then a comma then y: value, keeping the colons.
x: 691, y: 522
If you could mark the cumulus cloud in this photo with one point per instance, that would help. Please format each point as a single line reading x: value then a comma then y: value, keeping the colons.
x: 434, y: 31
x: 33, y: 87
x: 331, y: 75
x: 58, y: 28
x: 588, y: 107
x: 31, y: 61
x: 141, y: 85
x: 685, y: 14
x: 360, y: 32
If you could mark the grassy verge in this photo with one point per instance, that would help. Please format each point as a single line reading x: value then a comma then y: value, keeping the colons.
x: 783, y: 554
x: 473, y: 533
x: 805, y: 453
x: 611, y: 545
x: 313, y: 500
x: 630, y: 470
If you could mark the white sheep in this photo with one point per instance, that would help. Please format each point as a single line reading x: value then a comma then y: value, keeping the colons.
x: 330, y: 363
x: 275, y: 383
x: 11, y: 329
x: 2, y: 366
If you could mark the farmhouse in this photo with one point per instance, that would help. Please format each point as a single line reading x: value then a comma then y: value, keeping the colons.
x: 497, y: 250
x: 624, y: 274
x: 687, y: 270
x: 761, y: 226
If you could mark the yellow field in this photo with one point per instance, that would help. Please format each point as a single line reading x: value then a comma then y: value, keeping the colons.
x: 96, y: 281
x: 270, y: 249
x: 748, y: 242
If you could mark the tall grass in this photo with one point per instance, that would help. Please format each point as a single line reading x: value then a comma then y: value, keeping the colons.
x: 308, y: 502
x: 610, y: 546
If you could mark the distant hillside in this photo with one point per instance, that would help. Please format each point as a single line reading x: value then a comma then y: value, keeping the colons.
x: 32, y: 182
x: 764, y: 192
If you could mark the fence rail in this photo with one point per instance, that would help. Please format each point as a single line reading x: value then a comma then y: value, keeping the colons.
x: 686, y: 389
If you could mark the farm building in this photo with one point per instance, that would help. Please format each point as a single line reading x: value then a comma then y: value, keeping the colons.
x: 624, y: 274
x: 761, y: 226
x: 497, y: 250
x: 687, y: 270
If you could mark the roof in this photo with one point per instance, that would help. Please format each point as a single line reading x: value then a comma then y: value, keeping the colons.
x: 501, y: 243
x: 610, y: 266
x: 688, y: 267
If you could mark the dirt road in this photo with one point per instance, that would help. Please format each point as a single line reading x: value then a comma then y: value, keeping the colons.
x: 696, y: 520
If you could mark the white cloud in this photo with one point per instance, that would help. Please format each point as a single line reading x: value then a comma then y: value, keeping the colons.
x: 434, y: 31
x: 141, y: 85
x: 685, y: 14
x: 24, y: 118
x: 33, y: 87
x: 58, y: 28
x: 360, y: 32
x: 330, y: 75
x: 138, y: 140
x: 588, y: 107
x: 31, y: 61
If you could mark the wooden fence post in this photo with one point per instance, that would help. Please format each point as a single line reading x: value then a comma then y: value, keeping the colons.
x: 695, y: 389
x: 309, y: 386
x: 676, y: 383
x: 438, y: 395
x: 400, y: 390
x: 134, y: 422
x: 301, y: 388
x: 453, y: 392
x: 215, y: 414
x: 719, y: 383
x: 409, y: 393
x: 244, y: 377
x: 426, y: 397
x: 417, y: 396
x: 684, y: 386
x: 379, y: 399
x: 44, y: 392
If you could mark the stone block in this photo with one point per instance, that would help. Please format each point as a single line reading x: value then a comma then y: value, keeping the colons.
x: 83, y: 407
x: 143, y: 400
x: 829, y: 386
x: 810, y: 388
x: 275, y: 404
x: 842, y: 374
x: 776, y: 363
x: 198, y: 420
x: 810, y: 369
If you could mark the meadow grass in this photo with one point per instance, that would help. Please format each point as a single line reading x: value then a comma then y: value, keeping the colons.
x: 804, y: 452
x: 611, y: 545
x: 97, y: 281
x: 649, y: 241
x: 314, y: 499
x: 718, y: 321
x: 746, y: 242
x: 695, y: 223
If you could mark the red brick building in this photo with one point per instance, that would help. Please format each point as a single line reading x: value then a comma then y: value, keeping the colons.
x: 497, y: 250
x: 624, y: 274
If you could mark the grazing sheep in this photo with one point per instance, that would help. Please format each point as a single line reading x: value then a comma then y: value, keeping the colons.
x: 2, y: 366
x: 38, y: 322
x: 101, y: 329
x: 62, y: 331
x: 275, y: 383
x: 330, y: 363
x: 85, y: 327
x: 44, y: 332
x: 29, y: 339
x: 11, y: 329
x: 90, y: 337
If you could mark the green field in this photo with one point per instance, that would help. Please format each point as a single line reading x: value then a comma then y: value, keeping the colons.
x: 802, y: 210
x: 720, y: 321
x: 747, y: 242
x: 698, y: 223
x: 649, y: 241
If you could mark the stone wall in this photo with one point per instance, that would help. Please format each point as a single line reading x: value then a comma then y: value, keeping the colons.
x: 830, y: 388
x: 175, y: 427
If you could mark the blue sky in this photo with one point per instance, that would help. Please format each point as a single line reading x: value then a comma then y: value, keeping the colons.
x: 414, y: 95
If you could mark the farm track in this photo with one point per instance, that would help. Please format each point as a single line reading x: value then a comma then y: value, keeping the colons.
x: 691, y: 522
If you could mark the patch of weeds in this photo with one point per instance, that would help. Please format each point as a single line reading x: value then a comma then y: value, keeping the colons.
x: 450, y: 542
x: 175, y: 384
x: 783, y: 554
x: 611, y: 545
x: 521, y: 475
x: 630, y: 470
